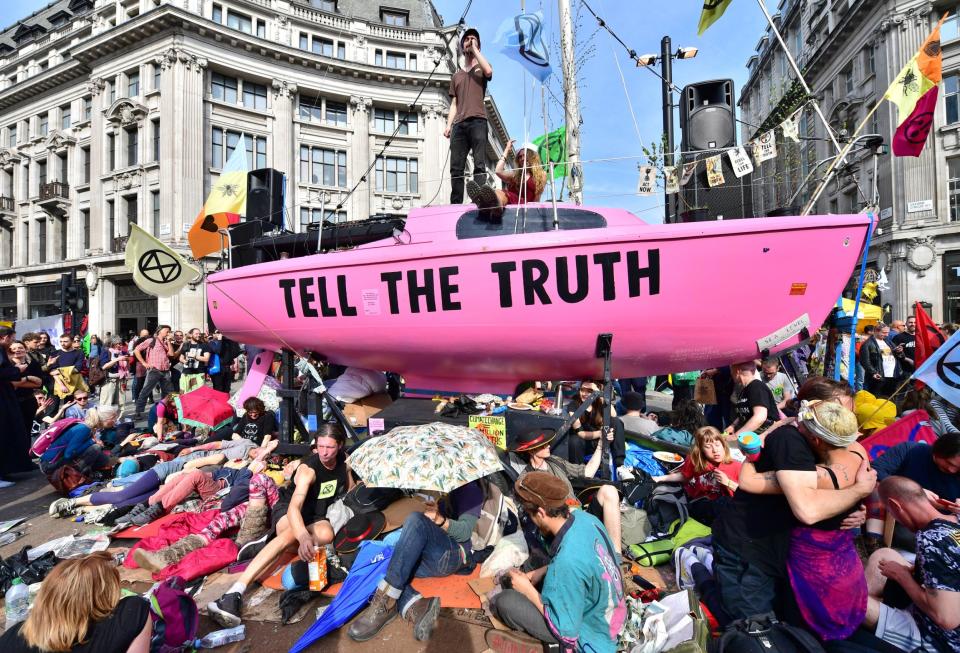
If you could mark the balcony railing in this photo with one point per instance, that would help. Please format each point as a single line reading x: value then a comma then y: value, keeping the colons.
x: 54, y: 189
x: 119, y: 244
x: 6, y: 203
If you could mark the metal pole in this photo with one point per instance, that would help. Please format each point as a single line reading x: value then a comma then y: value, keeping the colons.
x: 666, y: 73
x: 571, y: 102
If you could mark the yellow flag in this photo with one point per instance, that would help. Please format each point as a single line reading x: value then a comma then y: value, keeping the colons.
x: 157, y: 269
x: 907, y: 89
x: 229, y: 192
x: 712, y: 10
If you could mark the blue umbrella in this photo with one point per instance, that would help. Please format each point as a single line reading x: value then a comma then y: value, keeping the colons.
x: 367, y: 571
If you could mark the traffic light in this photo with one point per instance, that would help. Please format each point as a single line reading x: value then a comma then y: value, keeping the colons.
x: 69, y: 293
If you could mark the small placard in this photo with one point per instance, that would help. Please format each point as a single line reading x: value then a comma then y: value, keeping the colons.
x: 920, y: 205
x: 370, y: 297
x: 375, y: 426
x: 492, y: 426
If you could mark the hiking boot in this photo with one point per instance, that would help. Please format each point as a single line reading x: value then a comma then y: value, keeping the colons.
x: 226, y: 610
x: 511, y: 641
x: 423, y: 615
x: 473, y: 191
x: 168, y: 555
x: 254, y: 525
x: 250, y: 550
x: 148, y: 515
x: 683, y: 561
x: 625, y: 473
x: 61, y: 508
x: 381, y: 611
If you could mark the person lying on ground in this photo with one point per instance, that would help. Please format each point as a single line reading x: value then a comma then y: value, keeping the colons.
x: 432, y: 544
x: 300, y: 517
x: 930, y: 619
x: 77, y: 446
x: 824, y: 568
x: 525, y: 183
x: 755, y: 408
x: 709, y: 475
x: 532, y: 453
x: 79, y: 609
x: 581, y: 601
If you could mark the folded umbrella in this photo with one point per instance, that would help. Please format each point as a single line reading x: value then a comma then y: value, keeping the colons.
x: 205, y: 407
x: 435, y: 456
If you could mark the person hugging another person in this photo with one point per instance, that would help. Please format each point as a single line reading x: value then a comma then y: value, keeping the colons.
x: 525, y: 183
x: 709, y: 475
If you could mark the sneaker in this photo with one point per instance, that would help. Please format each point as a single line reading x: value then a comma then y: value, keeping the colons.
x: 625, y: 473
x: 146, y: 516
x: 704, y: 556
x: 683, y: 560
x: 226, y: 610
x: 250, y: 550
x: 60, y: 508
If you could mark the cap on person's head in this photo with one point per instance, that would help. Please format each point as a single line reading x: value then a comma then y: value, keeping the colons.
x: 830, y: 422
x: 468, y: 32
x: 541, y: 489
x: 633, y: 400
x: 533, y: 439
x: 128, y: 467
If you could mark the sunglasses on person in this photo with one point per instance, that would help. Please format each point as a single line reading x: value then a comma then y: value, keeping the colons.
x: 81, y: 398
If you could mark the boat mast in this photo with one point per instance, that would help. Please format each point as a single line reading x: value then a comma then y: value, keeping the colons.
x: 571, y: 102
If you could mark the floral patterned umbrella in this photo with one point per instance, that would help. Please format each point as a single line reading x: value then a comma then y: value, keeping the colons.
x: 434, y: 456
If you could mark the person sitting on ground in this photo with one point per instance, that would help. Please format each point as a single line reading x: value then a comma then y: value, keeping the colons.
x: 709, y: 475
x: 432, y: 544
x: 77, y: 408
x: 684, y: 420
x: 525, y: 183
x: 755, y: 407
x: 300, y: 517
x: 634, y: 422
x: 257, y: 423
x: 589, y: 426
x: 931, y: 619
x: 779, y: 383
x: 79, y: 609
x: 77, y: 446
x: 163, y: 416
x: 581, y: 601
x: 532, y: 451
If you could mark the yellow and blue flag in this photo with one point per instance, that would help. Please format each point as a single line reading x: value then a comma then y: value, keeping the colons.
x: 224, y: 206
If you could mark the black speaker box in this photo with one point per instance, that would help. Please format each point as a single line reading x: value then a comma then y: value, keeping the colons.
x: 265, y: 196
x: 242, y: 234
x: 707, y: 115
x: 732, y: 200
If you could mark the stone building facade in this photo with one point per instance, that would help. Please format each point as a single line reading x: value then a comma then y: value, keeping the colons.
x: 849, y: 51
x: 122, y: 111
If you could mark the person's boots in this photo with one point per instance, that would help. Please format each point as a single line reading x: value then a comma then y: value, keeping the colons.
x: 381, y: 611
x: 485, y: 197
x: 168, y: 555
x: 422, y: 614
x: 254, y: 524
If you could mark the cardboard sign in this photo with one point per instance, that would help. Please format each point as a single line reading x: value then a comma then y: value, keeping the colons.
x: 493, y: 426
x: 715, y: 171
x: 647, y: 183
x: 791, y: 127
x: 671, y: 180
x: 765, y: 147
x: 740, y: 161
x: 375, y: 426
x: 688, y: 170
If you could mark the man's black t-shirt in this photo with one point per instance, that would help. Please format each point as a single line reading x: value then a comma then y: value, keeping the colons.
x: 756, y: 393
x: 255, y: 429
x: 328, y: 486
x: 114, y: 634
x: 751, y: 519
x: 909, y: 342
x: 192, y: 352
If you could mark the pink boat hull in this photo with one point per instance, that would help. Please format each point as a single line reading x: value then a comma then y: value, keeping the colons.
x: 483, y: 314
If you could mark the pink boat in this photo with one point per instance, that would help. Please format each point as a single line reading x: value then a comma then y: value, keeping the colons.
x: 455, y: 303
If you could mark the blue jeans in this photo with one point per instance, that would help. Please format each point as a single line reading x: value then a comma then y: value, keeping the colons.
x: 744, y: 588
x: 423, y: 551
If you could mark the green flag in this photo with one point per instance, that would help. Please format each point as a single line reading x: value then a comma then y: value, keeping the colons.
x: 85, y: 344
x: 712, y: 10
x: 552, y: 147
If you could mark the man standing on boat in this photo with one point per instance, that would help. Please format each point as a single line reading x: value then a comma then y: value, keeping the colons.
x: 467, y: 121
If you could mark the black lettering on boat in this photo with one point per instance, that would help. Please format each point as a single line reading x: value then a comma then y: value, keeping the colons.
x: 563, y: 279
x: 307, y: 297
x: 287, y: 285
x: 651, y: 273
x: 392, y: 279
x: 606, y: 261
x: 503, y: 271
x: 345, y: 308
x: 448, y: 289
x: 533, y: 285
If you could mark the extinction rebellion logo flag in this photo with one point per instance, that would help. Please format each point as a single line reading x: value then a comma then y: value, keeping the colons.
x: 157, y: 269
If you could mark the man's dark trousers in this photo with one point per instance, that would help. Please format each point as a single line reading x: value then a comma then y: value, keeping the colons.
x: 466, y: 136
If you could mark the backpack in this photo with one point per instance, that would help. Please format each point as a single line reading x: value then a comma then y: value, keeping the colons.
x: 67, y: 478
x: 50, y: 435
x: 634, y: 527
x: 765, y: 634
x: 659, y: 551
x: 498, y: 517
x: 666, y: 504
x: 175, y: 617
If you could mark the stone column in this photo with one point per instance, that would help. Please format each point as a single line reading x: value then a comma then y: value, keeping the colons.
x: 103, y: 307
x: 434, y: 178
x: 74, y: 223
x: 184, y: 140
x: 282, y: 145
x: 98, y: 228
x: 360, y: 159
x: 23, y: 298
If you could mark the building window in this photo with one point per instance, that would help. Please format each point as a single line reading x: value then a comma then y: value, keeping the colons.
x: 63, y: 239
x: 224, y: 142
x: 156, y: 76
x: 155, y: 204
x: 396, y: 174
x: 85, y: 154
x: 322, y: 46
x: 951, y: 87
x: 133, y: 84
x: 385, y: 121
x: 132, y: 214
x: 111, y: 152
x: 341, y: 51
x: 65, y: 117
x: 304, y: 41
x: 223, y: 88
x: 390, y: 59
x: 112, y: 92
x: 133, y: 142
x: 12, y: 136
x: 41, y: 173
x: 87, y: 108
x: 42, y: 238
x: 261, y: 29
x: 44, y: 124
x: 254, y: 96
x: 324, y: 5
x: 217, y: 15
x: 310, y: 216
x: 798, y: 40
x: 394, y: 17
x: 156, y: 140
x: 847, y: 75
x: 85, y: 219
x: 869, y: 60
x: 953, y: 168
x: 239, y: 22
x: 336, y: 113
x: 311, y: 108
x: 111, y: 220
x: 950, y: 30
x: 322, y: 166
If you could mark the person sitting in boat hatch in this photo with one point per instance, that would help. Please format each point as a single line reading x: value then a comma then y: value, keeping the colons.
x: 532, y: 453
x: 525, y: 183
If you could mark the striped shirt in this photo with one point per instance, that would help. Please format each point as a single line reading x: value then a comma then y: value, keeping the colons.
x: 156, y: 354
x: 946, y: 414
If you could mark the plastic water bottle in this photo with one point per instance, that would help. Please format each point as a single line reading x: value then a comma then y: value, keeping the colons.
x: 221, y: 637
x: 17, y: 602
